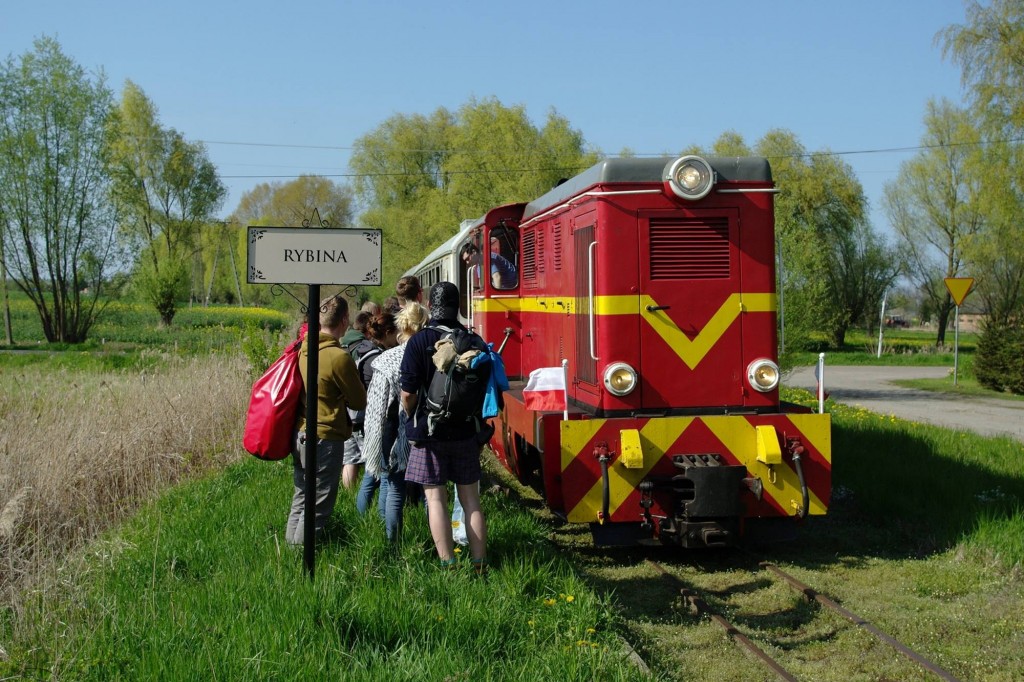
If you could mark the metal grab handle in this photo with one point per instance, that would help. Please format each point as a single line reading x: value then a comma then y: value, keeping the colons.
x: 590, y: 297
x: 652, y: 308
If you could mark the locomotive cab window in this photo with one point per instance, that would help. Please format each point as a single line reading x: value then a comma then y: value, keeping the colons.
x: 503, y: 257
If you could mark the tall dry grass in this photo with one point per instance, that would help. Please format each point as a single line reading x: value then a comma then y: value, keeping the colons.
x: 79, y: 451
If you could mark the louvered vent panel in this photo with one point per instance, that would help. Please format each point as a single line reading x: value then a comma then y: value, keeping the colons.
x: 556, y: 247
x: 690, y: 249
x: 540, y: 252
x: 529, y: 256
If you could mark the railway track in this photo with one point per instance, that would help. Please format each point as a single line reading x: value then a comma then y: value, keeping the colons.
x: 695, y: 601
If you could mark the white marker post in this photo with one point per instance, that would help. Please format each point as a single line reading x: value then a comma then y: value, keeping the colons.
x: 313, y: 256
x: 565, y: 388
x: 820, y: 374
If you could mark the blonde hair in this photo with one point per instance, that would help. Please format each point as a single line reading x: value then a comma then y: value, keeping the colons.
x: 410, y: 320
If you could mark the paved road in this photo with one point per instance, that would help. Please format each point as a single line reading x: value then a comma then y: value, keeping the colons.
x: 870, y: 388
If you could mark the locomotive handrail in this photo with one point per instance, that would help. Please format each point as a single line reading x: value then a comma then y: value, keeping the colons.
x: 595, y: 193
x: 469, y: 296
x: 590, y: 297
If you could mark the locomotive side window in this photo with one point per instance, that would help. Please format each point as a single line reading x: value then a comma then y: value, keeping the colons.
x: 503, y: 256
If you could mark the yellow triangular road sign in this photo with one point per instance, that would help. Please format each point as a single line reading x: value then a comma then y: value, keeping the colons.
x: 959, y: 287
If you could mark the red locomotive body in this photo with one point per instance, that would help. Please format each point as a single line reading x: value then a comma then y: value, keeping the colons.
x: 653, y: 281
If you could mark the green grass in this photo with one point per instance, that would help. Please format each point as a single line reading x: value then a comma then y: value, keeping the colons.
x: 966, y: 386
x: 899, y: 347
x: 929, y: 489
x: 201, y: 586
x: 126, y: 327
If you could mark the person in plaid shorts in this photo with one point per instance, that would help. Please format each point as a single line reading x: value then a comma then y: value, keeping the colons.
x: 452, y: 453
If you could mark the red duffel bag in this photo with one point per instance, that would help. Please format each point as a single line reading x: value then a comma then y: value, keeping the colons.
x: 273, y: 406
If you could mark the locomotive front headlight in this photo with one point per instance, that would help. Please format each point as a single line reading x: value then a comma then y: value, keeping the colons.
x: 763, y: 375
x: 690, y: 177
x: 619, y: 379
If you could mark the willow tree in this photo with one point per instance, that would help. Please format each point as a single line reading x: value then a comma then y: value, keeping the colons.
x: 989, y: 48
x: 420, y: 175
x: 285, y: 204
x: 167, y: 190
x: 934, y: 204
x: 58, y: 229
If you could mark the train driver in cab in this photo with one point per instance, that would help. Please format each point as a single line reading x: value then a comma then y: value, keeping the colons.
x: 503, y: 272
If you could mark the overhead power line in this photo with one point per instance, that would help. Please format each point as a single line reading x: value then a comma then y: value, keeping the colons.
x: 852, y: 152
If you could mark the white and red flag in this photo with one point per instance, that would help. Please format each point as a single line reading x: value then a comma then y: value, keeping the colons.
x: 545, y: 389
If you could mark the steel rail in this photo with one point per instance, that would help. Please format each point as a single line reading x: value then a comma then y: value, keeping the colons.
x: 729, y: 628
x: 812, y: 594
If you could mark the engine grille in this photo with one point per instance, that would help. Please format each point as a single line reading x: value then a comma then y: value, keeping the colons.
x: 690, y: 248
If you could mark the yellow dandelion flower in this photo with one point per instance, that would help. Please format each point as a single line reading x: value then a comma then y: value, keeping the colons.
x: 458, y: 550
x: 549, y: 602
x: 582, y: 642
x: 591, y: 631
x: 569, y: 598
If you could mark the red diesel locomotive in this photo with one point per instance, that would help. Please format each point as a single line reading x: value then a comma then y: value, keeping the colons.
x: 653, y: 280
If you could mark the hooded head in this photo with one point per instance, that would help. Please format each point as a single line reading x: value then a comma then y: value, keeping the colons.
x: 444, y: 301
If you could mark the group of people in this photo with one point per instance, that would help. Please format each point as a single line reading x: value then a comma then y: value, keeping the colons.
x: 371, y: 374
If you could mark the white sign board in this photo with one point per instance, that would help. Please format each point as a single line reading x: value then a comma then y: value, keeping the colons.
x: 314, y: 255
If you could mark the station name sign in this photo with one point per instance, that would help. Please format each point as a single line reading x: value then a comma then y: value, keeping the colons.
x: 313, y: 255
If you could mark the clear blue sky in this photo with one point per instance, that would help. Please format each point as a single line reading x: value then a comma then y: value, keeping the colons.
x: 277, y: 89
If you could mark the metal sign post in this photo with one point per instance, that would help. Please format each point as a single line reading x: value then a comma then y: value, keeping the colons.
x: 316, y: 256
x: 958, y: 288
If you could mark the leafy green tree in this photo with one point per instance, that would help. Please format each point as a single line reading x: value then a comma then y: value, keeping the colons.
x: 934, y: 204
x: 990, y: 51
x: 167, y: 190
x: 58, y: 229
x: 835, y: 268
x: 420, y: 176
x: 283, y: 204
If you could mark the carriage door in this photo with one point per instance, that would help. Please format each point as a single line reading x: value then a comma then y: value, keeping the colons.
x: 690, y: 339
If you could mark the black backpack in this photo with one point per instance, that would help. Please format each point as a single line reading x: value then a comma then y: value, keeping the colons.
x: 357, y: 417
x: 457, y: 395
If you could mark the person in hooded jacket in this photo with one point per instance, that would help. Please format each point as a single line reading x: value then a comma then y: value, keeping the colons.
x: 339, y: 387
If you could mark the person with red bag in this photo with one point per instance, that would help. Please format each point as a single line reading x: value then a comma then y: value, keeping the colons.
x: 339, y: 387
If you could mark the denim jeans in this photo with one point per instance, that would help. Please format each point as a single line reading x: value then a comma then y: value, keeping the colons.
x: 394, y: 505
x: 329, y: 456
x: 364, y: 498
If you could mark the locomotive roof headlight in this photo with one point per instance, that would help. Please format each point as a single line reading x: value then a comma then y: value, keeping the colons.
x: 619, y: 379
x: 763, y: 375
x: 690, y: 177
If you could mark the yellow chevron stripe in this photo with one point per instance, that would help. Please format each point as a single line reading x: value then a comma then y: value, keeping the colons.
x: 737, y: 435
x: 575, y: 435
x: 816, y: 430
x: 690, y: 352
x: 780, y: 481
x: 655, y: 439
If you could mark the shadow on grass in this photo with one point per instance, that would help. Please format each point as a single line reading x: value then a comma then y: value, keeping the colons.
x: 900, y: 491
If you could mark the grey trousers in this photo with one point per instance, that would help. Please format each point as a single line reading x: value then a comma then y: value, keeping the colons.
x: 329, y: 457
